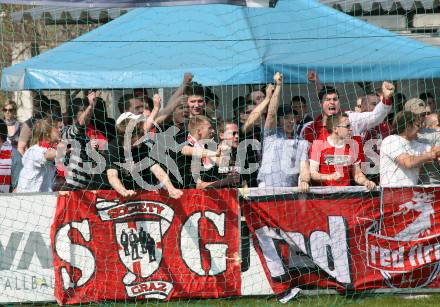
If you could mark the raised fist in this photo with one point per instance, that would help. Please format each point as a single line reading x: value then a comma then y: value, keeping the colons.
x: 387, y: 89
x: 94, y: 143
x: 278, y: 77
x: 269, y: 90
x: 92, y: 98
x: 312, y: 76
x: 156, y: 101
x: 187, y: 78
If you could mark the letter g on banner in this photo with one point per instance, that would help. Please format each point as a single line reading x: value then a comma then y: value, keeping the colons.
x: 191, y: 249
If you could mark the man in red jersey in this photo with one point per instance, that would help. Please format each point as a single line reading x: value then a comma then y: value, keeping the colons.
x: 360, y: 122
x: 335, y: 159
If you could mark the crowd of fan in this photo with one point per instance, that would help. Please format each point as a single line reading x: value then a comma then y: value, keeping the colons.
x: 186, y: 144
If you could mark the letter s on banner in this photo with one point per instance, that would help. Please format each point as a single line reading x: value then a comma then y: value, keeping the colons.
x: 76, y: 255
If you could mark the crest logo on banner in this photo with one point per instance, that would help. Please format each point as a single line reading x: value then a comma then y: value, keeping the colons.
x: 139, y: 228
x: 405, y: 244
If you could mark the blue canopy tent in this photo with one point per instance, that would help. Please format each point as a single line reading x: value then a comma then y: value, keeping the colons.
x: 223, y: 45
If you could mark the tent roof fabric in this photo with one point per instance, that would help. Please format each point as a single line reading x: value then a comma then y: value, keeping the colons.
x: 223, y: 45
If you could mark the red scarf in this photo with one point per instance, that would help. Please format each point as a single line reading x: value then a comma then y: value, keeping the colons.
x: 207, y: 163
x: 94, y: 134
x: 97, y: 135
x: 46, y: 144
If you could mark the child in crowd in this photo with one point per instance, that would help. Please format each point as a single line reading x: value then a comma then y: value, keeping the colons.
x: 39, y: 169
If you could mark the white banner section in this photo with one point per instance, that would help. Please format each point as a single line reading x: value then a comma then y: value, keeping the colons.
x: 26, y: 266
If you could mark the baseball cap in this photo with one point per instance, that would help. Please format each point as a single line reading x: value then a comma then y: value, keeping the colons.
x: 417, y: 106
x: 126, y: 115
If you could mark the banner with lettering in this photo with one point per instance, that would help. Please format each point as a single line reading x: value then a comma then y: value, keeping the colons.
x: 348, y: 241
x: 404, y: 244
x: 147, y: 246
x: 150, y: 246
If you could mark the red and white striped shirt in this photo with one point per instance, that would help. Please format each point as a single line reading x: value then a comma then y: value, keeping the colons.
x: 5, y: 167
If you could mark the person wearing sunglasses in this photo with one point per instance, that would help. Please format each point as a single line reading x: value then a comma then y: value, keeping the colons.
x: 335, y: 160
x: 10, y: 118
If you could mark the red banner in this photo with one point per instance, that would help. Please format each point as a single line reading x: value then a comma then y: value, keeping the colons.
x: 348, y: 241
x: 305, y: 239
x: 404, y: 245
x: 148, y: 246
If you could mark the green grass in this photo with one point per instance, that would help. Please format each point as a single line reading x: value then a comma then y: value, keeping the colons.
x: 380, y: 300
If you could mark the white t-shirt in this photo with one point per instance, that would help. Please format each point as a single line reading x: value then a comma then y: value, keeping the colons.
x: 37, y: 174
x: 391, y: 173
x: 281, y: 161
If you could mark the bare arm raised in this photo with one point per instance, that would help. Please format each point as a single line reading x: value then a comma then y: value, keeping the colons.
x: 271, y: 118
x: 258, y: 111
x: 174, y: 100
